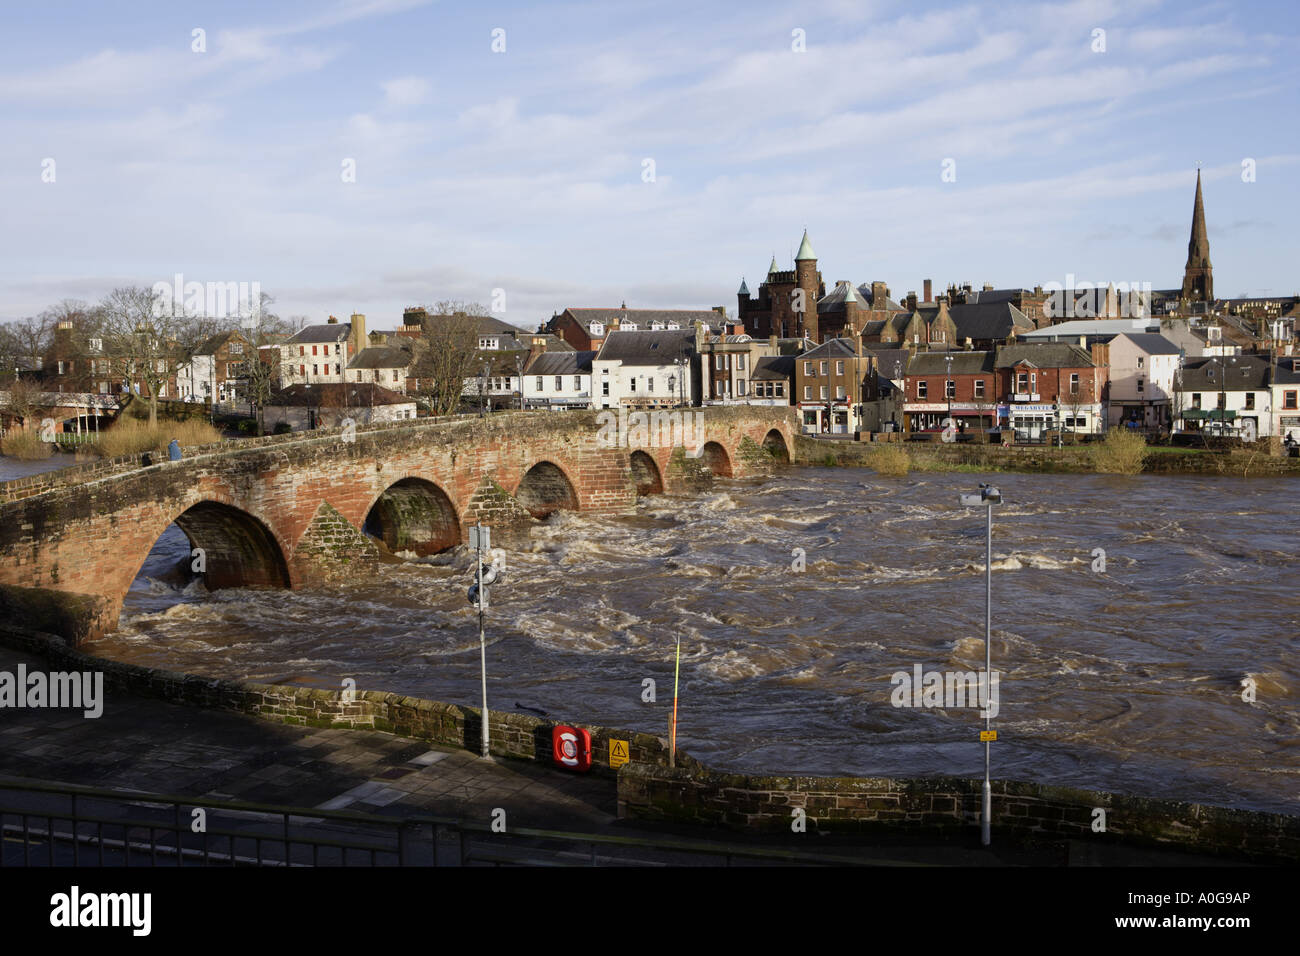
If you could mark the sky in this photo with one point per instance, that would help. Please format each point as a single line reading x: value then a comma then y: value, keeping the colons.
x: 368, y: 155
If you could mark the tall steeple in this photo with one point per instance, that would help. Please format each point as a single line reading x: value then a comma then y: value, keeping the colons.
x: 1198, y: 275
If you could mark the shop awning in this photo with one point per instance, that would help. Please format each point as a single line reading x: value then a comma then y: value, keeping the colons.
x: 1194, y: 414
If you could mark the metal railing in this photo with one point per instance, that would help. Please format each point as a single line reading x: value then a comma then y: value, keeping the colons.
x: 45, y: 825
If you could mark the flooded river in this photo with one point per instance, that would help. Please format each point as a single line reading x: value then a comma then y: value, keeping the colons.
x: 1129, y: 679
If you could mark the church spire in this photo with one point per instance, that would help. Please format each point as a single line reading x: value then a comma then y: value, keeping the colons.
x: 1198, y: 276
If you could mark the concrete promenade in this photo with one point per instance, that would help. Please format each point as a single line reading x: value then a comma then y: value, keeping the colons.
x: 153, y: 746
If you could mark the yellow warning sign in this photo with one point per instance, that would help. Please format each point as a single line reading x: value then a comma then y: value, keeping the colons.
x: 987, y: 735
x: 618, y: 753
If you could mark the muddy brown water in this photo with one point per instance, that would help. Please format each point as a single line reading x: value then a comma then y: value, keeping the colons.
x: 1127, y: 680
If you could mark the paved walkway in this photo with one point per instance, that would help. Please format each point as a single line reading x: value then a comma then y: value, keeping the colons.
x: 144, y: 744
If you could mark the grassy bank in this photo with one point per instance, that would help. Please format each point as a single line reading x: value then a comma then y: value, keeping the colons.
x: 25, y: 444
x: 129, y: 436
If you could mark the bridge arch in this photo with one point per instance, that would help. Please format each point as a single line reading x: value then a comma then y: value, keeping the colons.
x: 716, y: 459
x: 645, y: 474
x: 239, y: 551
x: 413, y: 514
x: 545, y: 489
x: 775, y: 445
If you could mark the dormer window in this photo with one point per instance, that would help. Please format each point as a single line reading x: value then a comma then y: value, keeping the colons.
x: 596, y: 329
x: 656, y: 326
x: 673, y: 326
x: 487, y: 343
x: 629, y: 326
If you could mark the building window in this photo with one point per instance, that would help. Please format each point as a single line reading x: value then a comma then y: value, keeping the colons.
x: 634, y: 383
x: 979, y: 388
x: 1289, y: 400
x: 1196, y: 399
x: 839, y: 368
x: 302, y: 350
x: 1250, y: 399
x: 826, y: 367
x: 740, y: 363
x: 717, y: 360
x: 808, y: 368
x: 577, y: 383
x: 539, y: 383
x: 780, y: 389
x: 1074, y: 383
x: 950, y: 389
x: 1022, y: 382
x: 604, y: 388
x: 922, y: 390
x: 650, y: 384
x: 807, y: 392
x: 740, y: 386
x: 313, y: 350
x: 825, y: 392
x: 1141, y: 386
x: 1140, y: 361
x: 314, y: 370
x: 839, y: 391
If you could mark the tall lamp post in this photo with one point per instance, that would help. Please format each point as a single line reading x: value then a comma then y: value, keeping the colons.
x: 948, y: 389
x: 681, y: 380
x: 519, y: 368
x: 988, y: 496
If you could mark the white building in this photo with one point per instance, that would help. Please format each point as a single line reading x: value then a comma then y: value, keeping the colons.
x: 380, y: 365
x: 1225, y: 395
x: 1143, y: 367
x: 559, y: 380
x: 319, y: 354
x: 646, y: 369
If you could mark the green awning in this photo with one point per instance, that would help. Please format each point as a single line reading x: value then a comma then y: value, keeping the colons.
x: 1194, y: 414
x: 1222, y: 415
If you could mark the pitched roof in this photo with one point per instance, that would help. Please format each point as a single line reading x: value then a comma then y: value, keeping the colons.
x: 773, y: 368
x: 996, y: 320
x: 213, y: 343
x: 648, y: 348
x: 839, y: 297
x: 1151, y: 343
x: 1233, y: 373
x: 832, y: 348
x: 888, y: 305
x: 643, y: 317
x: 963, y: 363
x: 561, y: 363
x: 381, y: 356
x: 339, y: 395
x: 1044, y: 355
x: 330, y: 332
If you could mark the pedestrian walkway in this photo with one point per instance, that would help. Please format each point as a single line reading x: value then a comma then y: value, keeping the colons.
x: 148, y: 745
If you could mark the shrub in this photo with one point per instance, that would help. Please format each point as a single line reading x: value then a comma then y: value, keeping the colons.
x: 21, y: 443
x: 130, y: 436
x: 1122, y: 453
x: 890, y: 458
x: 282, y: 428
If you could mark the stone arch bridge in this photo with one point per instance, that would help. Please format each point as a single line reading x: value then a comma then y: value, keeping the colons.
x: 294, y: 510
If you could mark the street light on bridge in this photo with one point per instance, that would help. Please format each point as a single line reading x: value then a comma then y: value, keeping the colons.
x: 988, y: 496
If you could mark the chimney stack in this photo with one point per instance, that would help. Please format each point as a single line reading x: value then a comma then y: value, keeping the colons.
x: 926, y: 289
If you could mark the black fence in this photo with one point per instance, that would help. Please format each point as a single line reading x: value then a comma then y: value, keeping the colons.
x: 56, y: 825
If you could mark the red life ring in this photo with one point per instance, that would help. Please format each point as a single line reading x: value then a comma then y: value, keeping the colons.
x: 571, y: 747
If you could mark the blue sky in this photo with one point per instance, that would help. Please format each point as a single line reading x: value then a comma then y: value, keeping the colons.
x: 523, y: 170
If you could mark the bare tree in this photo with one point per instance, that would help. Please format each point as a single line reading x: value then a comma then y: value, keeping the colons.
x: 141, y: 340
x: 446, y: 354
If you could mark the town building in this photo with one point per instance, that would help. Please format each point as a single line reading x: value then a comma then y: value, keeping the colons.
x: 786, y: 302
x: 217, y: 371
x: 1048, y: 387
x: 319, y: 354
x: 559, y: 380
x: 832, y: 381
x: 384, y: 365
x: 1142, y: 367
x: 326, y: 405
x: 644, y: 369
x: 959, y: 385
x: 1226, y: 395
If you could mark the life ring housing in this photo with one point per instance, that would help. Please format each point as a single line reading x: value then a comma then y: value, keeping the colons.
x: 571, y: 747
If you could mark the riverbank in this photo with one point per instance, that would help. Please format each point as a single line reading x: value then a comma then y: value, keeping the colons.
x: 928, y: 811
x: 1042, y: 459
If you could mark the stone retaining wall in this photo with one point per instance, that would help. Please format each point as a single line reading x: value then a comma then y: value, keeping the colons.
x: 510, y: 734
x: 943, y: 805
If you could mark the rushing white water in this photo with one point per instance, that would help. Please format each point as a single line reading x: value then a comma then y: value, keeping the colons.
x: 1126, y: 680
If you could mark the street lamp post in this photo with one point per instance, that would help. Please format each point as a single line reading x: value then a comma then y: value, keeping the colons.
x: 987, y: 496
x: 948, y: 389
x: 519, y: 367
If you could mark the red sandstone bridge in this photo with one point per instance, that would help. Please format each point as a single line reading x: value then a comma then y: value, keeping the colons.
x: 290, y: 511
